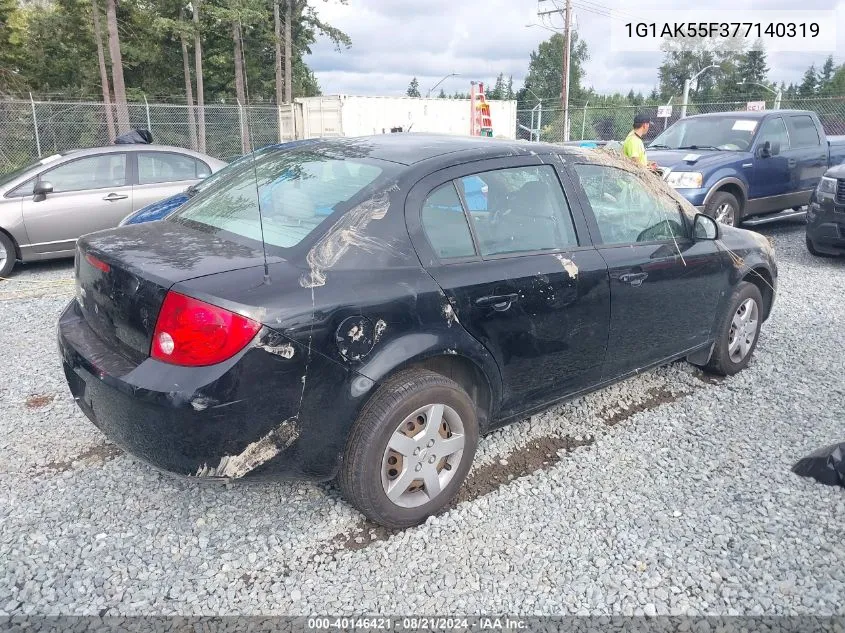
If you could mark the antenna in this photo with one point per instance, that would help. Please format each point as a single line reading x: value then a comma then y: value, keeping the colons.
x: 252, y: 153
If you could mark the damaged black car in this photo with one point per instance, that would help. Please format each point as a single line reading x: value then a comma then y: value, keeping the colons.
x: 365, y: 309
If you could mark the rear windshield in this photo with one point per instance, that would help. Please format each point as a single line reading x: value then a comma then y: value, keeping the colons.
x: 295, y: 192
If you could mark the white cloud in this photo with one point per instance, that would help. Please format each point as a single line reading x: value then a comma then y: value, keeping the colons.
x: 394, y: 40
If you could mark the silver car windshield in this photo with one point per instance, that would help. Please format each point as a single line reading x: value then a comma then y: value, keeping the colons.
x: 7, y: 178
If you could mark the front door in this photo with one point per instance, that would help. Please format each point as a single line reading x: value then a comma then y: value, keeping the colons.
x: 664, y: 286
x: 512, y: 265
x: 89, y: 194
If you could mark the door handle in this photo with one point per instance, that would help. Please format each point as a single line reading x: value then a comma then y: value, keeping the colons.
x: 114, y: 196
x: 635, y: 279
x: 500, y: 303
x: 791, y: 162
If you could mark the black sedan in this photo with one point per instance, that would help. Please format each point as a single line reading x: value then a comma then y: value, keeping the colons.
x: 346, y: 310
x: 826, y: 215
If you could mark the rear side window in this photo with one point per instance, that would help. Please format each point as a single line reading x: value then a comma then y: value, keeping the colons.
x: 774, y: 131
x: 803, y: 132
x: 294, y: 190
x: 519, y: 210
x: 446, y: 225
x: 168, y: 167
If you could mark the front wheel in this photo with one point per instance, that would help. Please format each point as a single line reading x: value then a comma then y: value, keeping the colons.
x: 738, y: 331
x: 724, y: 207
x: 410, y: 449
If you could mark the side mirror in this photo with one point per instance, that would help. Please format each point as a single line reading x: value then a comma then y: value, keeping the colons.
x: 41, y: 189
x: 765, y: 150
x: 705, y: 227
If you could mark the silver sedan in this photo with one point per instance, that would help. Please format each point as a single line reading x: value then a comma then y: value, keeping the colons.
x: 45, y: 207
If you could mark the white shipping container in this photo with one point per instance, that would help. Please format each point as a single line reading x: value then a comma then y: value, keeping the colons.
x: 343, y: 115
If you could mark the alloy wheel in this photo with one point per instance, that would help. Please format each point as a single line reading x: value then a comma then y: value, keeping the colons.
x: 422, y: 455
x: 3, y: 256
x: 743, y: 330
x: 725, y: 214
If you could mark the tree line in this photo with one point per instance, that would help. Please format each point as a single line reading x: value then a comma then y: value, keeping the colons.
x: 122, y: 51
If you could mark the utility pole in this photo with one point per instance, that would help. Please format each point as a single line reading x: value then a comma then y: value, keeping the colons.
x: 567, y: 52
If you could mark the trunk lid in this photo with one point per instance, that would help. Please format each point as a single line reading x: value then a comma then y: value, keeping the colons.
x: 123, y: 275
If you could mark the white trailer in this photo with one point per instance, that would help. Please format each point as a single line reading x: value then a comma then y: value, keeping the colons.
x: 346, y: 115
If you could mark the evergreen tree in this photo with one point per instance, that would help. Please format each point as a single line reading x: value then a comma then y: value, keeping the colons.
x: 810, y: 83
x: 413, y: 88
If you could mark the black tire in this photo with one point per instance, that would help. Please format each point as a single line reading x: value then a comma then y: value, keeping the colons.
x: 719, y: 199
x: 812, y: 248
x: 9, y: 263
x: 360, y: 477
x: 720, y: 360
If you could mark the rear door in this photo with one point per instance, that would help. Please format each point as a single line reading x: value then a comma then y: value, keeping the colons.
x: 89, y: 194
x: 664, y: 286
x: 159, y: 175
x: 518, y: 267
x: 809, y: 154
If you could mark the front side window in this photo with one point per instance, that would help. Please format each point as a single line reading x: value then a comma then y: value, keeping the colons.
x: 295, y: 192
x: 625, y: 210
x: 445, y: 224
x: 803, y: 131
x: 518, y: 210
x: 92, y: 172
x: 774, y: 131
x: 168, y: 167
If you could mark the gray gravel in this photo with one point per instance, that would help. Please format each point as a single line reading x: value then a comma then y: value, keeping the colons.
x: 682, y: 504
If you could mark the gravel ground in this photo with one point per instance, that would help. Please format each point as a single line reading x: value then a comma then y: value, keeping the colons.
x: 670, y: 493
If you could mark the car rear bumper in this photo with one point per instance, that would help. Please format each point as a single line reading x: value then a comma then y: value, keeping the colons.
x: 826, y: 227
x: 237, y: 419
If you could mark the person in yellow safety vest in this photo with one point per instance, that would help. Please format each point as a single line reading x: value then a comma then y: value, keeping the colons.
x: 633, y: 146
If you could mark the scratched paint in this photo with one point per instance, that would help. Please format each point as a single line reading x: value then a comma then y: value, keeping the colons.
x: 381, y: 326
x: 255, y: 454
x: 568, y: 265
x: 285, y: 351
x: 348, y: 231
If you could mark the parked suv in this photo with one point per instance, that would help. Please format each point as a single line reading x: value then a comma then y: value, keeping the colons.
x: 826, y: 215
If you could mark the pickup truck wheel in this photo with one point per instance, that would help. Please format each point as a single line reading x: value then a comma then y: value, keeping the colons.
x: 410, y: 449
x: 723, y: 207
x: 739, y: 329
x: 7, y: 255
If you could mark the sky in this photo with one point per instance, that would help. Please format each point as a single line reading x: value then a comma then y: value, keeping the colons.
x: 395, y: 40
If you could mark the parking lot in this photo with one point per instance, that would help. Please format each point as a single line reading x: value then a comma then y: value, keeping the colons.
x: 668, y: 493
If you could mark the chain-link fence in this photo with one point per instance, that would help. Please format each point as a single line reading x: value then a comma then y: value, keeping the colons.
x: 33, y: 129
x: 607, y: 123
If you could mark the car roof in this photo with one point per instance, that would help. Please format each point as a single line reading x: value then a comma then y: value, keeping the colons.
x: 410, y: 148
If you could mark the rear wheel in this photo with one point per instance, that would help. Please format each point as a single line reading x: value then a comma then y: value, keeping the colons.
x: 724, y: 207
x: 7, y: 255
x: 410, y: 449
x: 739, y: 330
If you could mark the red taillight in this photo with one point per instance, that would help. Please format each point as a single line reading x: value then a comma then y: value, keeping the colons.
x: 193, y: 333
x: 98, y: 264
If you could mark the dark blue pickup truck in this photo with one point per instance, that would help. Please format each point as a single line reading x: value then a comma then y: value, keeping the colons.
x: 738, y: 166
